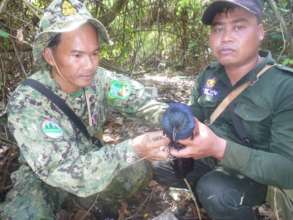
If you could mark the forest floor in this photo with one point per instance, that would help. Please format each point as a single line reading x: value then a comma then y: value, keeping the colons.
x: 155, y: 202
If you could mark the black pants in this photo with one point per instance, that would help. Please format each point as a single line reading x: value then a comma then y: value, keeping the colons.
x: 224, y: 194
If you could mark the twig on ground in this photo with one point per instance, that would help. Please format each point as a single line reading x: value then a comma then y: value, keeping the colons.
x: 90, y: 208
x: 193, y: 198
x: 148, y: 198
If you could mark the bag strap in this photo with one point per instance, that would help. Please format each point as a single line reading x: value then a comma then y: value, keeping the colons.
x: 234, y: 94
x: 60, y: 103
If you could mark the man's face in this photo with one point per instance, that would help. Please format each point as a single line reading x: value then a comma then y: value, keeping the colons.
x: 75, y: 59
x: 235, y: 37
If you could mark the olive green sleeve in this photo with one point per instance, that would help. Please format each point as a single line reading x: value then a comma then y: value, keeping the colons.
x: 265, y: 167
x: 274, y: 167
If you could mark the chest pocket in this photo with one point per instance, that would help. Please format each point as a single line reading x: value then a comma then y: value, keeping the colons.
x: 207, y: 105
x: 256, y: 121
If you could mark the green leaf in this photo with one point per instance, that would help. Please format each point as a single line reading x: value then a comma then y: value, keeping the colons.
x: 4, y: 34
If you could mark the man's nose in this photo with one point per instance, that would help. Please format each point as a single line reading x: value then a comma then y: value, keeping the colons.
x: 91, y: 62
x: 227, y: 35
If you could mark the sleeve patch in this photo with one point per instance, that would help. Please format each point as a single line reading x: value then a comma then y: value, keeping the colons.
x: 119, y: 90
x: 51, y: 129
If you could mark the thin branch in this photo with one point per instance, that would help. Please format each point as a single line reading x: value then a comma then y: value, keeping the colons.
x: 3, y: 6
x: 193, y: 198
x: 7, y: 141
x: 37, y: 12
x: 284, y: 44
x: 18, y: 58
x: 283, y: 26
x: 113, y: 12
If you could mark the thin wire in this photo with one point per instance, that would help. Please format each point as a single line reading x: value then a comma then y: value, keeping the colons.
x: 193, y: 198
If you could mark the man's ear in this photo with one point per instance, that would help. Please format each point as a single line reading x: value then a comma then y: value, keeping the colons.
x: 48, y: 56
x: 261, y: 32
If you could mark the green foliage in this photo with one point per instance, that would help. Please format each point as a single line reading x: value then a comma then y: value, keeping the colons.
x: 4, y: 34
x: 5, y: 41
x: 147, y: 33
x: 288, y: 62
x: 279, y: 38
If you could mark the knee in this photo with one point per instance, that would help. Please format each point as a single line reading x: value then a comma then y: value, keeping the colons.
x: 220, y: 199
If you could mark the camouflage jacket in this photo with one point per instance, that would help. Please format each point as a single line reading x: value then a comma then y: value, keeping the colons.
x: 56, y: 150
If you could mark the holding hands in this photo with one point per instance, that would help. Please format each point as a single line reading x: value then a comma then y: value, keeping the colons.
x: 151, y: 145
x: 205, y: 143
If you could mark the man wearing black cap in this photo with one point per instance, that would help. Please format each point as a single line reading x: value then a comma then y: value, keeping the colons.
x: 245, y: 147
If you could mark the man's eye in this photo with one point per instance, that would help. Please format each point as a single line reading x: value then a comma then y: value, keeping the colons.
x: 217, y: 29
x: 77, y: 55
x: 96, y: 53
x: 238, y: 27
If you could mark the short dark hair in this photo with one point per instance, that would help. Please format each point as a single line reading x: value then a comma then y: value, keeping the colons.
x: 54, y: 42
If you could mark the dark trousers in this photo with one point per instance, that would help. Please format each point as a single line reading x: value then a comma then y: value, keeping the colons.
x: 223, y: 193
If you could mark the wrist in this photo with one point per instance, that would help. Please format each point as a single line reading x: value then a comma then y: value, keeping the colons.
x: 135, y: 144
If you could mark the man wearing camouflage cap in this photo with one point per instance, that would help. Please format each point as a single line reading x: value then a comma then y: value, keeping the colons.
x: 247, y: 144
x: 58, y: 160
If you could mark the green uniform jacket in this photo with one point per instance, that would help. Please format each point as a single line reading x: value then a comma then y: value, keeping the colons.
x: 57, y: 151
x: 265, y: 110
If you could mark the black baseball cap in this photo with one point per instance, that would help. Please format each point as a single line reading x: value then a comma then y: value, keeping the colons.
x: 253, y: 6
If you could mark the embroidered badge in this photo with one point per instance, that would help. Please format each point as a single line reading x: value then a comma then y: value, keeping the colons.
x: 211, y: 83
x: 119, y: 90
x: 208, y: 89
x: 68, y: 9
x: 51, y: 129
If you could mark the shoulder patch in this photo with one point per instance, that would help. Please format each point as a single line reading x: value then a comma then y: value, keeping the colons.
x: 284, y: 68
x: 119, y: 89
x: 51, y: 129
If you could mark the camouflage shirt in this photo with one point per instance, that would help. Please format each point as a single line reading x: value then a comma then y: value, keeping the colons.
x: 56, y: 150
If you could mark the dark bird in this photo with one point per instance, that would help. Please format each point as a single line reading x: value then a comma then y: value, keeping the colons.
x: 178, y: 123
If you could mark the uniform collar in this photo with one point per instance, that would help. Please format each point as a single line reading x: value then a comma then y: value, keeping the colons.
x: 45, y: 77
x: 266, y: 60
x: 251, y: 75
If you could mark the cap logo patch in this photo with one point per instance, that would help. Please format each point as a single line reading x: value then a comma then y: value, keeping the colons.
x: 51, y: 129
x: 68, y: 9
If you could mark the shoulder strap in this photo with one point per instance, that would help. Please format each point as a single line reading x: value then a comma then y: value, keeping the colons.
x: 233, y: 95
x: 59, y: 102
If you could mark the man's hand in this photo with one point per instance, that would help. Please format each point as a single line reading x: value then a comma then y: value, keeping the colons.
x: 151, y: 146
x: 205, y: 143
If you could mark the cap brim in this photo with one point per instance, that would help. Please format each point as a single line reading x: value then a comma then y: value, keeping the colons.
x: 101, y: 30
x: 213, y: 9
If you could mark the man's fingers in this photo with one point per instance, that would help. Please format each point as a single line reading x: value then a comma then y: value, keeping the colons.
x: 157, y: 139
x: 159, y: 154
x: 184, y: 152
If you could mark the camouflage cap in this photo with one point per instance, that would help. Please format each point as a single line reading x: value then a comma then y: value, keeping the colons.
x: 253, y: 6
x: 63, y: 16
